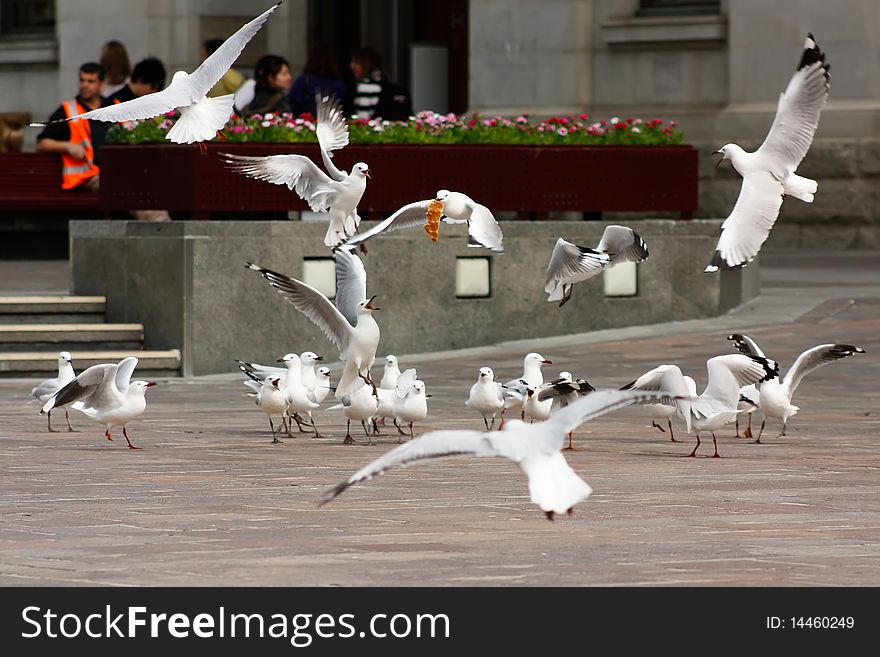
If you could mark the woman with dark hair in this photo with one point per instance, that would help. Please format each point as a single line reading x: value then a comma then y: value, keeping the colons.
x: 320, y: 75
x: 272, y: 75
x: 116, y: 65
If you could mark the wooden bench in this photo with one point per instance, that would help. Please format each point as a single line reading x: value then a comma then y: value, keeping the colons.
x: 30, y: 183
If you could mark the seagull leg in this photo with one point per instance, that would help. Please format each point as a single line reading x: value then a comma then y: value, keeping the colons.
x: 67, y: 417
x: 203, y: 148
x: 566, y: 295
x: 782, y: 433
x: 570, y: 446
x: 49, y: 417
x: 501, y: 424
x: 318, y: 434
x: 748, y: 432
x: 275, y: 440
x: 549, y: 515
x: 671, y: 435
x: 107, y: 435
x: 736, y: 424
x: 716, y: 455
x: 125, y: 433
x: 221, y: 136
x: 486, y: 422
x: 399, y: 430
x: 694, y: 453
x: 761, y: 431
x: 411, y: 435
x: 657, y: 426
x: 348, y: 439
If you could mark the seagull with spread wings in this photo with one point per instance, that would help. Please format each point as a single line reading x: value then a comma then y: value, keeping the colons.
x: 775, y: 395
x: 769, y: 172
x: 106, y: 394
x: 337, y: 194
x: 349, y: 324
x: 570, y: 263
x: 536, y: 448
x: 446, y: 206
x: 201, y: 118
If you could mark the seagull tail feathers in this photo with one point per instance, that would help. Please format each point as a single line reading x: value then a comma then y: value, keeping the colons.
x: 800, y: 187
x: 201, y: 121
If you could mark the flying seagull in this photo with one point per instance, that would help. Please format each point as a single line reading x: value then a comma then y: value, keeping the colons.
x: 349, y: 324
x: 570, y: 263
x: 451, y: 208
x: 769, y: 172
x: 536, y: 448
x: 201, y: 118
x: 337, y: 194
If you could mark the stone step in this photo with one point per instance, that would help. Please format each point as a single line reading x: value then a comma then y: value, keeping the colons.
x: 48, y: 309
x: 45, y: 364
x: 50, y: 337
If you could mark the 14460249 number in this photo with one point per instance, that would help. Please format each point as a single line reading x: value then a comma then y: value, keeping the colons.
x: 823, y: 622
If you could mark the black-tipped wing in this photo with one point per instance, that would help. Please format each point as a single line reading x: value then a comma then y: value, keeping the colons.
x: 434, y: 444
x: 562, y: 388
x: 312, y: 304
x: 91, y: 387
x: 622, y: 244
x: 816, y: 357
x: 745, y: 345
x: 797, y: 114
x: 483, y: 230
x: 570, y: 263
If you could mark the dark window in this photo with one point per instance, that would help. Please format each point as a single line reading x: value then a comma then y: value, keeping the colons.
x: 27, y: 17
x: 678, y: 7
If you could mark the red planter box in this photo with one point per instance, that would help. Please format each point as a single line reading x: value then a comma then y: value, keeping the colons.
x: 527, y: 179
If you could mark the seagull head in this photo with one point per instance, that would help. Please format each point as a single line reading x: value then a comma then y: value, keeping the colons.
x: 141, y: 386
x: 324, y: 371
x: 442, y: 194
x: 362, y: 168
x: 725, y: 153
x: 179, y: 75
x: 368, y: 305
x: 273, y: 381
x: 486, y: 374
x: 310, y: 357
x: 391, y: 359
x: 565, y: 376
x: 64, y: 357
x: 537, y: 359
x: 289, y: 358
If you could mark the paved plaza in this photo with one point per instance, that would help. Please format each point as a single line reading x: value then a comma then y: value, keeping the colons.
x: 210, y: 501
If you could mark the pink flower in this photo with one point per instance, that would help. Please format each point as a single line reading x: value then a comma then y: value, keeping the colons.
x: 237, y: 128
x: 266, y: 124
x: 562, y: 132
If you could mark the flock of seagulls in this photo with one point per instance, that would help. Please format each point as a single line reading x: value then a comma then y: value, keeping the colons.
x: 533, y: 417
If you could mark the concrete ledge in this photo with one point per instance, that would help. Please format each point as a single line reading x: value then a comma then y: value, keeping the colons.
x: 187, y: 284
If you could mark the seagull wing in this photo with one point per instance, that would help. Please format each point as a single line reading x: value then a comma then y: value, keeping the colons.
x: 434, y: 444
x: 312, y: 304
x: 483, y: 230
x: 124, y: 370
x: 749, y: 224
x: 816, y: 357
x: 406, y: 217
x: 745, y: 345
x: 92, y: 387
x: 351, y: 284
x: 622, y: 244
x: 570, y: 263
x: 797, y: 114
x: 144, y: 107
x: 666, y: 378
x: 298, y: 172
x: 405, y: 382
x: 218, y: 63
x: 729, y: 373
x: 332, y: 133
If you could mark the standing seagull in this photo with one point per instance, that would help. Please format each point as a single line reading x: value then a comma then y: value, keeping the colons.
x: 272, y: 400
x: 201, y: 118
x: 337, y: 194
x: 775, y: 395
x: 769, y: 172
x: 349, y: 325
x: 570, y: 263
x: 486, y: 397
x: 536, y: 448
x: 106, y: 394
x: 514, y: 392
x: 452, y: 208
x: 49, y: 387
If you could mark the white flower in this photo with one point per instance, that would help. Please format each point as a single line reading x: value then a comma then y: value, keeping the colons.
x: 614, y: 119
x: 269, y: 116
x: 635, y: 129
x: 266, y: 124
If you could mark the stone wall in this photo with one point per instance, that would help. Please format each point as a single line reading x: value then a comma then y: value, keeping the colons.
x: 187, y: 283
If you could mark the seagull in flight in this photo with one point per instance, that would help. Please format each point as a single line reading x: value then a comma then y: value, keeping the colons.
x: 349, y: 324
x: 570, y: 263
x: 775, y: 395
x: 106, y: 394
x: 201, y: 118
x: 337, y: 194
x: 536, y: 448
x: 769, y: 172
x: 451, y: 208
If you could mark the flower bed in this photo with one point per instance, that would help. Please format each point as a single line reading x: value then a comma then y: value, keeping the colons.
x: 429, y: 128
